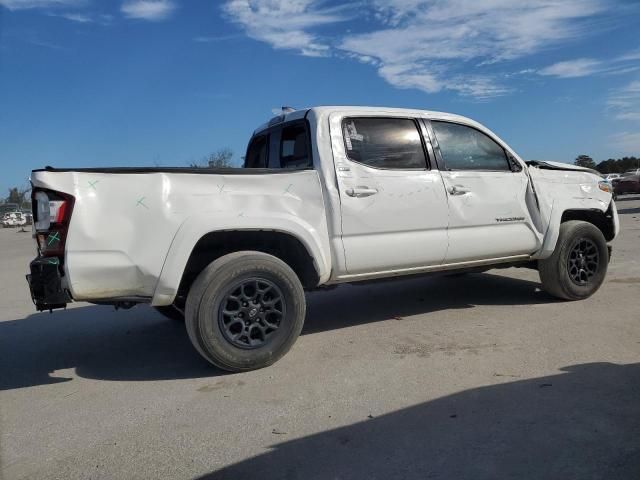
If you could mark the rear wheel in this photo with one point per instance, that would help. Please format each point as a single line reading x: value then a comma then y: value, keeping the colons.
x: 578, y: 265
x: 245, y: 311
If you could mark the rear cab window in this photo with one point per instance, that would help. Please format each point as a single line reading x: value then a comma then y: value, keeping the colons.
x: 257, y: 152
x: 385, y: 143
x: 283, y: 146
x: 294, y: 147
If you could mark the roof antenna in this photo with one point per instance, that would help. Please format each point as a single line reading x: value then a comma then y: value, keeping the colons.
x: 286, y: 109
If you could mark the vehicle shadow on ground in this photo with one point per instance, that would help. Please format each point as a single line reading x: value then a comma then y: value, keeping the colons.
x: 358, y: 304
x: 583, y: 423
x: 100, y: 343
x: 140, y: 344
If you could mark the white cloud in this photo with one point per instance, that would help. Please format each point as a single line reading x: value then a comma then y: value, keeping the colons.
x: 77, y: 17
x: 444, y: 44
x: 430, y: 45
x: 581, y: 67
x: 627, y: 142
x: 212, y: 39
x: 624, y: 103
x: 284, y: 24
x: 29, y: 4
x: 584, y: 67
x: 629, y: 56
x: 152, y: 10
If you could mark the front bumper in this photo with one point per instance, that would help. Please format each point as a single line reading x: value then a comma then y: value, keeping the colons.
x: 45, y: 284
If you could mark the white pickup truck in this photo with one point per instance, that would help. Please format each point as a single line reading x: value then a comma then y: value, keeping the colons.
x: 327, y: 195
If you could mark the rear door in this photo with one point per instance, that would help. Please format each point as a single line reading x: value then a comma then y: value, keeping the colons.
x: 393, y: 203
x: 488, y: 215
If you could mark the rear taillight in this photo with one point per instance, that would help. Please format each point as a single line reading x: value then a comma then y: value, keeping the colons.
x: 51, y: 216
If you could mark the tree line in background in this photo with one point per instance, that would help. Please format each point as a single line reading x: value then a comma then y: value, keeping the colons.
x: 619, y: 165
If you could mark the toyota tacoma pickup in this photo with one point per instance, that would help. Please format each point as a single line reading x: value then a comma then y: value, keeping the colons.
x: 326, y: 195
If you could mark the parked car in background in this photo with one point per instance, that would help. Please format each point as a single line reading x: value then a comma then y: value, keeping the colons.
x: 629, y: 182
x: 28, y: 217
x: 611, y: 176
x: 13, y: 219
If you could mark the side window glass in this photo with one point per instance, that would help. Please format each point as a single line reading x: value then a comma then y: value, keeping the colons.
x: 384, y: 142
x: 465, y: 148
x: 294, y: 151
x: 257, y: 153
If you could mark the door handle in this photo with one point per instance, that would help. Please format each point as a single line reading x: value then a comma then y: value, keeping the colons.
x: 458, y: 190
x: 360, y: 191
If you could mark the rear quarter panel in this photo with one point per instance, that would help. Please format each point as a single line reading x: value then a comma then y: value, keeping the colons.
x: 132, y: 234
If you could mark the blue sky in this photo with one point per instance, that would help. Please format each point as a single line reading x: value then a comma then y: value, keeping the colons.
x: 144, y: 82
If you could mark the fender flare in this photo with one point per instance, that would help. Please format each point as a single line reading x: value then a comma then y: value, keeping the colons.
x: 195, y: 228
x: 553, y: 231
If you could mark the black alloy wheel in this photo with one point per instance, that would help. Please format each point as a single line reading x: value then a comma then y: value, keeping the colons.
x: 251, y: 312
x: 583, y: 261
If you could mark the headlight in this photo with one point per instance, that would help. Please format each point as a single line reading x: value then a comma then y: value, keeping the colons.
x: 605, y: 187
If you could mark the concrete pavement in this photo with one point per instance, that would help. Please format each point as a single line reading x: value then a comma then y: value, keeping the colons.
x: 483, y: 376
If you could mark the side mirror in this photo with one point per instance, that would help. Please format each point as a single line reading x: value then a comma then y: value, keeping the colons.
x: 514, y: 164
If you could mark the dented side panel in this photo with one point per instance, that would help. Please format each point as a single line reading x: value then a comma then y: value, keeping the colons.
x: 132, y: 234
x: 562, y: 190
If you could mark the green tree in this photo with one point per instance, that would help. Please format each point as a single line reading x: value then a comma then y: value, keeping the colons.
x: 14, y: 196
x: 17, y: 195
x: 585, y: 161
x: 619, y: 165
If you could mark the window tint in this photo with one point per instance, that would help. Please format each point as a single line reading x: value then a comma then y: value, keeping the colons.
x: 465, y: 148
x: 293, y: 147
x: 384, y: 142
x: 257, y: 153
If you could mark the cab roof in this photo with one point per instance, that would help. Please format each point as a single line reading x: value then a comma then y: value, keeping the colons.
x: 361, y: 110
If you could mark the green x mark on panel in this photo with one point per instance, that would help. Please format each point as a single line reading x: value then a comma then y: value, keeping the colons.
x: 53, y: 237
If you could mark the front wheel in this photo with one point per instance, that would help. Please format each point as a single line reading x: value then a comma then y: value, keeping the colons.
x: 245, y: 311
x: 578, y: 265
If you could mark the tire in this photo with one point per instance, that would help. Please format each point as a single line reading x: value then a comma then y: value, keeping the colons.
x: 567, y: 274
x: 238, y: 337
x: 170, y: 312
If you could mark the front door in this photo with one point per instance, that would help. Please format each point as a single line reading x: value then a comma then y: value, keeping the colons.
x: 488, y: 215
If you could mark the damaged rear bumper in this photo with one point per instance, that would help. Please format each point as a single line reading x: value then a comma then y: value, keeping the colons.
x: 46, y: 284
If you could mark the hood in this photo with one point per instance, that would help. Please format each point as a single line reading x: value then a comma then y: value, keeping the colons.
x: 560, y: 166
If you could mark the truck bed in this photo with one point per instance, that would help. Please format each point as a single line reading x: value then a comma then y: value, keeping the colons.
x: 196, y: 170
x: 132, y: 229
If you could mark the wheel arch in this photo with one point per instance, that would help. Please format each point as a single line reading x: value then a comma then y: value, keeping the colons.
x: 180, y: 271
x: 602, y: 220
x: 605, y: 220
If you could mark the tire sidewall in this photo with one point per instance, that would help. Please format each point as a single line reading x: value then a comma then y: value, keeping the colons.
x: 578, y: 231
x: 211, y: 338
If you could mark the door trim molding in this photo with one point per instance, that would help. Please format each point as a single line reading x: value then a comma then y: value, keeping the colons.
x: 432, y: 268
